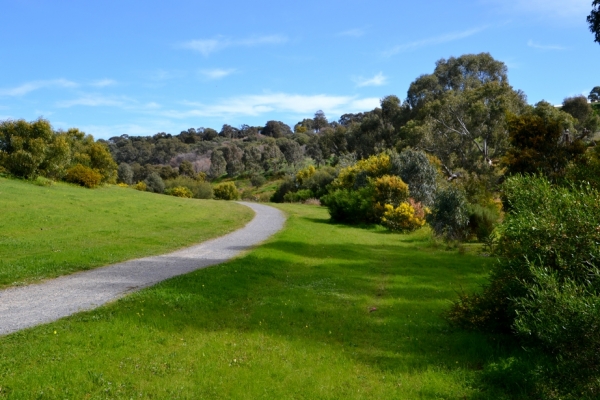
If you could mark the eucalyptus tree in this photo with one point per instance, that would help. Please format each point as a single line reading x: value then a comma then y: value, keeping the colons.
x: 460, y: 111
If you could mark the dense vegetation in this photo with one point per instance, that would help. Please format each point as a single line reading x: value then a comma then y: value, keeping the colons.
x: 463, y: 153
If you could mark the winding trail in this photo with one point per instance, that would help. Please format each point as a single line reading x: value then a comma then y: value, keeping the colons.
x: 27, y: 306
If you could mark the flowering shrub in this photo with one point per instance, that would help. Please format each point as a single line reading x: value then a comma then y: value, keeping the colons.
x: 141, y: 186
x: 402, y: 218
x: 305, y: 173
x: 180, y: 191
x: 355, y: 175
x: 388, y: 189
x: 226, y: 191
x: 83, y: 176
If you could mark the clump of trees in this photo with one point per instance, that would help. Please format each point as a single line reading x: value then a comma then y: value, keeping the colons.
x: 31, y: 149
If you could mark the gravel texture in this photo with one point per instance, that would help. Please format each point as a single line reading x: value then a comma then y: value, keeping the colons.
x: 26, y: 306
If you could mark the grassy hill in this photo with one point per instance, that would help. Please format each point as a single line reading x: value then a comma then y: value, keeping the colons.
x: 321, y: 311
x: 46, y: 231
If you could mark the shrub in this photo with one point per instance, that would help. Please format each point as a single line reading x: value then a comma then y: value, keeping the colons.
x: 123, y: 185
x: 257, y: 180
x: 318, y: 182
x: 141, y: 186
x: 226, y: 191
x: 199, y: 189
x: 449, y: 216
x: 351, y: 206
x: 401, y: 218
x: 298, y: 197
x: 305, y: 173
x: 545, y: 286
x: 483, y: 220
x: 154, y: 183
x: 374, y: 166
x: 288, y: 185
x: 83, y: 176
x: 388, y: 190
x: 180, y: 191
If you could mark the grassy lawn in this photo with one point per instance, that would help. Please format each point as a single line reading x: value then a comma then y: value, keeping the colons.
x: 56, y: 230
x: 321, y: 311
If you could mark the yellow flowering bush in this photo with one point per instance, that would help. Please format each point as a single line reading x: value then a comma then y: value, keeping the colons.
x: 141, y: 186
x: 373, y: 166
x: 305, y: 173
x: 401, y: 218
x: 180, y: 191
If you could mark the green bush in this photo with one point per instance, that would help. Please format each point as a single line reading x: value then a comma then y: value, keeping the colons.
x: 298, y: 197
x: 199, y: 189
x: 450, y: 215
x: 125, y: 174
x: 545, y: 286
x: 288, y: 185
x: 154, y: 183
x: 483, y: 221
x: 226, y: 191
x: 83, y: 176
x: 257, y: 180
x: 179, y: 191
x: 350, y: 206
x: 419, y: 174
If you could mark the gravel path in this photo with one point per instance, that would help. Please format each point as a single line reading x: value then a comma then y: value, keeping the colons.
x: 26, y: 306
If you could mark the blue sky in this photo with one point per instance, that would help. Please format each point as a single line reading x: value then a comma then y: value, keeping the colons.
x: 142, y: 67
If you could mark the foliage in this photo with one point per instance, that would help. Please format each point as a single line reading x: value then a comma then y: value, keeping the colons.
x: 594, y: 95
x: 286, y: 186
x: 402, y: 218
x: 460, y: 111
x: 587, y: 122
x: 594, y: 20
x: 318, y: 182
x: 257, y: 180
x: 298, y: 197
x: 23, y: 146
x: 154, y: 183
x: 416, y: 169
x: 218, y: 164
x: 540, y: 142
x: 141, y: 186
x: 483, y: 219
x: 355, y: 175
x: 449, y: 215
x: 305, y: 173
x: 180, y: 191
x: 83, y: 176
x: 388, y: 190
x: 226, y: 191
x: 199, y: 189
x: 276, y: 129
x: 350, y: 206
x: 125, y: 174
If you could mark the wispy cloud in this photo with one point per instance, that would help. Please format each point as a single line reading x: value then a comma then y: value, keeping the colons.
x: 216, y: 73
x: 104, y: 82
x: 208, y: 46
x: 254, y: 105
x: 36, y: 85
x: 352, y: 33
x: 535, y: 45
x: 377, y: 80
x: 97, y: 100
x: 445, y: 38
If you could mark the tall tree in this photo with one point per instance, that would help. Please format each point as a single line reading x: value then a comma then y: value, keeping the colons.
x: 594, y: 20
x: 587, y: 120
x: 461, y: 110
x: 319, y: 121
x: 594, y: 94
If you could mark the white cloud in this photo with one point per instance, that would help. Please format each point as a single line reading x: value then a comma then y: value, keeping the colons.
x: 217, y: 73
x: 535, y: 45
x: 352, y: 33
x: 92, y: 100
x: 35, y: 85
x: 377, y: 80
x: 448, y: 37
x: 208, y: 46
x: 254, y: 105
x: 104, y: 83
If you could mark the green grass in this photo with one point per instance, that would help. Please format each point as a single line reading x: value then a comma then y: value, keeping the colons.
x: 59, y: 229
x: 321, y: 311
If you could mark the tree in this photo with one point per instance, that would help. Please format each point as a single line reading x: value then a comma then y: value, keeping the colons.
x: 587, y: 121
x: 276, y: 129
x: 594, y: 20
x: 319, y: 121
x: 217, y: 164
x: 418, y: 172
x: 233, y: 157
x: 291, y: 150
x: 23, y: 146
x: 541, y: 143
x: 594, y: 94
x: 186, y: 168
x: 461, y: 109
x: 125, y: 174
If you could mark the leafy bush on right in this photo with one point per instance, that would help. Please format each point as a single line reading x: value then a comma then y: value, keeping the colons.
x: 545, y: 286
x: 226, y: 191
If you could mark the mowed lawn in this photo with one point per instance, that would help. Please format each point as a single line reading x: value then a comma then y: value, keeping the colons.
x: 56, y: 230
x: 320, y: 311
